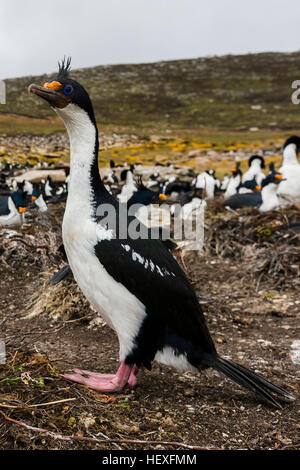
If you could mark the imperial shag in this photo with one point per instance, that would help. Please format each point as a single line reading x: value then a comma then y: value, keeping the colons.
x: 136, y: 285
x: 289, y: 189
x: 37, y: 197
x: 12, y: 208
x: 265, y: 200
x: 256, y: 163
x: 234, y: 181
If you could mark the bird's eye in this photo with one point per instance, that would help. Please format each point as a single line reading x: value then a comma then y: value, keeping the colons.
x: 68, y: 90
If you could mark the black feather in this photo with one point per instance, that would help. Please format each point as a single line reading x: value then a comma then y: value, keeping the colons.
x: 61, y: 274
x: 64, y: 68
x: 238, y: 201
x: 139, y: 184
x: 272, y: 167
x: 250, y: 380
x: 293, y: 140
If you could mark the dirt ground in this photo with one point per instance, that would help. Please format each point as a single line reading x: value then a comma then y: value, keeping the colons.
x: 247, y: 281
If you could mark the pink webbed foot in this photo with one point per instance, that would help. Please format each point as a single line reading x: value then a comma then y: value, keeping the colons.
x: 105, y: 382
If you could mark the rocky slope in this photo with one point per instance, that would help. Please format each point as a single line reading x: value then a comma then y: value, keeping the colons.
x: 227, y: 92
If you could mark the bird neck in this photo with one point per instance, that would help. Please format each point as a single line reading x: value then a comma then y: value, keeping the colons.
x: 269, y: 196
x: 290, y: 155
x: 235, y: 182
x: 86, y: 189
x: 255, y: 165
x: 129, y: 178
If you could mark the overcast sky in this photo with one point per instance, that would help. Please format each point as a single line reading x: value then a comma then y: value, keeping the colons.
x: 34, y: 34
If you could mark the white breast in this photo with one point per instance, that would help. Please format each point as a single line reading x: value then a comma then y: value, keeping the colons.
x: 233, y: 184
x: 289, y: 189
x: 14, y: 218
x: 269, y: 197
x: 120, y: 309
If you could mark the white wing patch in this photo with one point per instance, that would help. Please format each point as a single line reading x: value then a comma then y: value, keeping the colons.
x: 162, y: 271
x: 137, y: 257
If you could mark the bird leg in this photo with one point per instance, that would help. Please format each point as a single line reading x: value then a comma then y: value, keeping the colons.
x: 180, y: 253
x: 105, y: 382
x: 132, y: 378
x: 183, y: 263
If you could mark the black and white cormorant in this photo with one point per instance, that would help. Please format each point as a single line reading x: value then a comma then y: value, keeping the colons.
x: 207, y: 182
x: 235, y: 181
x: 264, y: 197
x: 136, y: 285
x: 256, y: 164
x: 38, y: 199
x: 12, y: 208
x: 176, y: 186
x: 289, y: 189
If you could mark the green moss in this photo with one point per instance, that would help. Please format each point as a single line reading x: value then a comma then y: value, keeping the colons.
x: 263, y: 233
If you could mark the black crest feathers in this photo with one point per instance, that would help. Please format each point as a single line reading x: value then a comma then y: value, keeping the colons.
x: 140, y: 185
x: 272, y: 167
x: 64, y: 68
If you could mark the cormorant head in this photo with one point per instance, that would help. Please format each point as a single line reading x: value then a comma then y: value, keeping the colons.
x: 252, y: 184
x: 145, y: 196
x: 36, y: 192
x: 236, y: 170
x: 274, y: 177
x: 19, y: 198
x: 211, y: 173
x: 63, y: 92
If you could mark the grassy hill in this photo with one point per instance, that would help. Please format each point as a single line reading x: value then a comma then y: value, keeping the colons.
x: 225, y: 93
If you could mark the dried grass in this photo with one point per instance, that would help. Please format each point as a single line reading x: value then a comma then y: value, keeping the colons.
x: 63, y: 302
x: 260, y: 245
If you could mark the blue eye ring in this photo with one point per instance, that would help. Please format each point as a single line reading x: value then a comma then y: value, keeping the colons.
x: 68, y: 90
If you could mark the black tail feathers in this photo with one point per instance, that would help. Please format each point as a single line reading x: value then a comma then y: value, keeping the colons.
x: 251, y: 381
x: 60, y: 275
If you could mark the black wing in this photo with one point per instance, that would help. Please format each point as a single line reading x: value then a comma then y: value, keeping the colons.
x: 238, y: 201
x: 150, y: 272
x: 4, y: 209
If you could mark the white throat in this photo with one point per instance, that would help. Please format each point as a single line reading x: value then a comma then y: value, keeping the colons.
x: 82, y: 135
x: 234, y: 183
x: 290, y: 155
x: 269, y: 198
x: 256, y: 164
